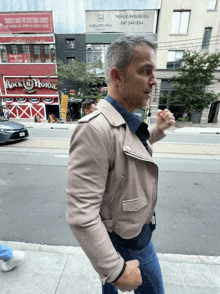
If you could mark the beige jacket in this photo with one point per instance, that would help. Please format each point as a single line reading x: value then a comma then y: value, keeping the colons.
x: 111, y: 185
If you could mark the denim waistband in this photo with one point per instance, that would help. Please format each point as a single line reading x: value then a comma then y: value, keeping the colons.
x: 137, y: 243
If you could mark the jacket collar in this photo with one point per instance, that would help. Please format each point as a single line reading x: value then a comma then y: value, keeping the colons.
x: 111, y: 114
x: 132, y: 145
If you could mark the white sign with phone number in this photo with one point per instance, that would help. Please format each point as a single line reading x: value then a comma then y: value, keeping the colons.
x: 121, y: 21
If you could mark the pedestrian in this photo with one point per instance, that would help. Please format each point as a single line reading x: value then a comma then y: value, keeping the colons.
x: 1, y: 113
x: 112, y: 178
x: 10, y: 258
x: 149, y: 116
x: 37, y: 118
x: 88, y: 107
x: 72, y: 113
x: 6, y: 113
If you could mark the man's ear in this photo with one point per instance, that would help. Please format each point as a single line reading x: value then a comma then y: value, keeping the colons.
x: 115, y: 75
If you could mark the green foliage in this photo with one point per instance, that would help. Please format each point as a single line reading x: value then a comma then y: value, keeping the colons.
x: 193, y: 78
x: 83, y: 74
x: 183, y: 119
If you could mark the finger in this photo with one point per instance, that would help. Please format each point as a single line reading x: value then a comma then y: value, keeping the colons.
x: 136, y: 263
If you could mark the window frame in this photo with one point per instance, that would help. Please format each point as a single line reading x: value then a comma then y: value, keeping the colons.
x: 206, y: 40
x: 210, y: 4
x: 68, y: 58
x: 180, y: 21
x: 68, y: 46
x: 175, y: 59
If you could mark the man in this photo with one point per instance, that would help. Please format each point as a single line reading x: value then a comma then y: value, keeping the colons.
x: 6, y: 113
x: 112, y: 179
x: 88, y: 107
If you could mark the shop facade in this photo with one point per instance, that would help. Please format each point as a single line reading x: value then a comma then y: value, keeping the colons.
x: 28, y: 81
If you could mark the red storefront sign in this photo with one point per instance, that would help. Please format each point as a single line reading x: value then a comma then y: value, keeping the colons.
x: 30, y: 22
x: 35, y: 86
x: 17, y: 58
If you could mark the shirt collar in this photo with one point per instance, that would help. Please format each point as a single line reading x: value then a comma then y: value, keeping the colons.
x: 131, y: 120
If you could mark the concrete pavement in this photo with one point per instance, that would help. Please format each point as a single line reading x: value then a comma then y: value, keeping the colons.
x: 59, y: 269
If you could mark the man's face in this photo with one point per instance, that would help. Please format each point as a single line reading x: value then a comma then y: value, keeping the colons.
x: 90, y: 109
x: 139, y: 77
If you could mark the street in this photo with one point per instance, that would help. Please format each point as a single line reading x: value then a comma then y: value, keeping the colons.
x: 33, y: 182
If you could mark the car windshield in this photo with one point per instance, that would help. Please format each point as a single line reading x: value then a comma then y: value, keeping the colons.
x: 3, y: 119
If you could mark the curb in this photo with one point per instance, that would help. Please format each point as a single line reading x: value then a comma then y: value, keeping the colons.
x: 49, y: 126
x: 196, y: 130
x: 163, y: 257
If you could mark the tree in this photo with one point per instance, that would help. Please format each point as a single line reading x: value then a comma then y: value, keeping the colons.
x: 194, y: 76
x: 83, y: 74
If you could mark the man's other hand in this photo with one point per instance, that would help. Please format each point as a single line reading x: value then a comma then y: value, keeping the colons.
x: 131, y: 278
x: 165, y: 119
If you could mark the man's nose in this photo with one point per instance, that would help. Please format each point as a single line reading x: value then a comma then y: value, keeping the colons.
x: 153, y: 80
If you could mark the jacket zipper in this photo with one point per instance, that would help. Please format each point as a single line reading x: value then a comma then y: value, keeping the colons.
x: 118, y: 189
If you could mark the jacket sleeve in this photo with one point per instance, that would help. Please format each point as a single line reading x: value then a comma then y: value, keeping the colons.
x: 155, y: 134
x: 86, y: 181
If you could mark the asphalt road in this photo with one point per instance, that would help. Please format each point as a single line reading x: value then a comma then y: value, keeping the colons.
x: 171, y: 137
x: 32, y: 196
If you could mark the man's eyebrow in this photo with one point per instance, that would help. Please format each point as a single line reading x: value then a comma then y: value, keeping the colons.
x: 147, y: 64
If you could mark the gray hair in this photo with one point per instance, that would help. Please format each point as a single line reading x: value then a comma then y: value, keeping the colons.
x: 120, y: 52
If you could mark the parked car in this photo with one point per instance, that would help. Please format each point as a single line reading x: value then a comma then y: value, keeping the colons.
x: 11, y: 131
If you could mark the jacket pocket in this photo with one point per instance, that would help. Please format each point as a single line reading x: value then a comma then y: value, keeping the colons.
x: 134, y: 204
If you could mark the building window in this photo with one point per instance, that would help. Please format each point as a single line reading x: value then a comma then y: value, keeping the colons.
x: 212, y: 4
x: 180, y: 22
x: 36, y: 50
x: 70, y: 44
x: 3, y: 56
x: 167, y: 90
x: 28, y: 53
x: 70, y: 60
x: 95, y: 53
x: 25, y: 49
x: 14, y: 49
x: 206, y: 38
x: 47, y: 49
x: 174, y: 59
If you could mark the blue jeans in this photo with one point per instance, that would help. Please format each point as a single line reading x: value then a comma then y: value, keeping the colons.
x: 149, y: 265
x: 5, y: 252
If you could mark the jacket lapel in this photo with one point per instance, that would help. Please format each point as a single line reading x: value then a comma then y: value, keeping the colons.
x: 134, y: 147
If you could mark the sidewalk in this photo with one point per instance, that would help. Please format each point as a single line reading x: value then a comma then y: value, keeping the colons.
x: 194, y: 129
x: 66, y: 270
